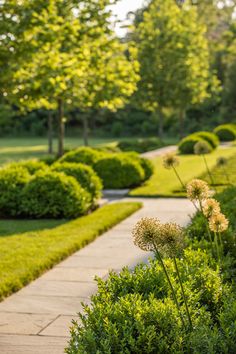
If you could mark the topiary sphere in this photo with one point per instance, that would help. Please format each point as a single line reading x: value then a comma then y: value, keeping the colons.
x: 52, y: 194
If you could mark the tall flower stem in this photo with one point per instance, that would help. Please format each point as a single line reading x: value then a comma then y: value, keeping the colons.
x: 183, y: 293
x: 217, y: 246
x: 178, y: 176
x: 207, y: 226
x: 170, y: 283
x: 226, y: 175
x: 208, y: 170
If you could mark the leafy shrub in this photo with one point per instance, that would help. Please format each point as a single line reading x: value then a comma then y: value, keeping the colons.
x: 85, y: 175
x: 146, y: 164
x: 133, y: 313
x: 84, y: 155
x: 140, y: 145
x: 211, y: 138
x: 12, y: 181
x: 119, y: 171
x: 186, y: 145
x: 54, y: 195
x: 31, y: 166
x: 226, y: 132
x: 49, y: 160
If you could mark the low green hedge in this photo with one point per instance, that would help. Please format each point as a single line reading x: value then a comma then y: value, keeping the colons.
x: 140, y: 145
x: 86, y: 155
x: 31, y: 166
x: 226, y: 132
x: 211, y: 138
x: 186, y: 145
x: 12, y: 181
x: 84, y: 175
x: 54, y: 195
x: 119, y: 171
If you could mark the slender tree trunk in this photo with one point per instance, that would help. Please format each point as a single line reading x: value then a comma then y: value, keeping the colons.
x: 50, y: 133
x: 85, y: 129
x: 161, y: 123
x: 181, y: 123
x: 61, y: 127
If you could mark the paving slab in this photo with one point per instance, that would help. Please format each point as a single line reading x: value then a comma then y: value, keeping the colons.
x: 60, y: 327
x: 36, y: 319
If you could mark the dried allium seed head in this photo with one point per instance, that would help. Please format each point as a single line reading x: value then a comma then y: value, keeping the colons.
x: 170, y: 160
x: 202, y: 148
x: 218, y: 223
x: 211, y: 207
x: 221, y: 161
x: 197, y: 190
x: 145, y: 233
x: 170, y: 240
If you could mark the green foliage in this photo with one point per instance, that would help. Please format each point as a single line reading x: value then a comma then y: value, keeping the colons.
x: 148, y: 168
x: 226, y: 132
x: 132, y: 311
x: 119, y: 171
x: 12, y: 181
x: 140, y: 145
x: 84, y: 175
x: 186, y: 145
x: 211, y: 138
x: 32, y: 166
x: 37, y: 245
x: 54, y: 195
x: 84, y: 155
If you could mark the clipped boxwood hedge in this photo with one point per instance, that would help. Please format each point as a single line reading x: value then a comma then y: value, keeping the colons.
x: 226, y: 132
x: 209, y: 137
x: 31, y: 166
x: 140, y: 145
x: 119, y: 171
x: 12, y: 181
x: 146, y: 164
x: 52, y: 194
x: 186, y: 145
x: 86, y: 155
x: 85, y: 175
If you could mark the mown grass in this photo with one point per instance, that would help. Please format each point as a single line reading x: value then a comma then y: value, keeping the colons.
x: 29, y: 248
x: 164, y: 183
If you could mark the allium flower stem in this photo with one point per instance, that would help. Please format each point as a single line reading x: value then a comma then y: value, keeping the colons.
x: 169, y: 282
x: 217, y: 246
x: 208, y: 170
x: 207, y: 225
x: 183, y: 293
x: 178, y: 176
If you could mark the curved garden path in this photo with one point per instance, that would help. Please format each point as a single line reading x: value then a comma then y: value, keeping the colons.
x: 36, y: 319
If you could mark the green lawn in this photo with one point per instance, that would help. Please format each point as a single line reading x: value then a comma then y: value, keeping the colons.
x: 164, y: 183
x: 30, y: 247
x: 12, y: 149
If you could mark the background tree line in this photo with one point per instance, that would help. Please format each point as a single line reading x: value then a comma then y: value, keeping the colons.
x: 61, y: 62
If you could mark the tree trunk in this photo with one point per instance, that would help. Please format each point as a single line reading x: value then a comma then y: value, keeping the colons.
x: 61, y: 128
x: 85, y: 129
x: 181, y: 123
x: 161, y: 124
x: 50, y: 133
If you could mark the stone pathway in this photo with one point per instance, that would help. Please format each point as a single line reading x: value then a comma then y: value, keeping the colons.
x: 160, y: 152
x: 36, y: 320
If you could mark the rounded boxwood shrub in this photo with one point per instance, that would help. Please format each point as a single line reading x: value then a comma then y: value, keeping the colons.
x: 84, y: 155
x: 146, y: 164
x: 186, y: 145
x: 226, y: 132
x: 85, y: 175
x: 119, y: 171
x: 32, y: 166
x: 54, y: 195
x: 12, y: 181
x: 210, y: 138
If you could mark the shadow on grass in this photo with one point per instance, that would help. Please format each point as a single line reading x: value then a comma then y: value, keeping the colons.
x: 10, y: 227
